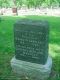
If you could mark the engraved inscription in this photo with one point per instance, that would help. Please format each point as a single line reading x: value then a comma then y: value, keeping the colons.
x: 30, y: 43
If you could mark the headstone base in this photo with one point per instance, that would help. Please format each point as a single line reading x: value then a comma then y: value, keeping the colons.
x: 30, y: 70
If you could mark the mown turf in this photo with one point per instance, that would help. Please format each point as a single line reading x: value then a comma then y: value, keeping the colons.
x: 7, y: 45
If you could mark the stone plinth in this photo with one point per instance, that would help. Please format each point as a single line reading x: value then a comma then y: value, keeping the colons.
x: 30, y: 70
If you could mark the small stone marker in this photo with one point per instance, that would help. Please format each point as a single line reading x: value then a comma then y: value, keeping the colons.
x: 31, y: 38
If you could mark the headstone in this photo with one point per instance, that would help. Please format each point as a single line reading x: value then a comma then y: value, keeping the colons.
x: 31, y: 38
x: 31, y: 41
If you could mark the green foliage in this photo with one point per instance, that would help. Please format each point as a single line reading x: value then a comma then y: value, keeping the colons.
x: 4, y: 3
x: 19, y: 3
x: 28, y: 3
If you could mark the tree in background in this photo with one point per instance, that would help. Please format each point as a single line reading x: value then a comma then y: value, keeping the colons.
x: 28, y: 3
x: 19, y: 3
x: 59, y: 2
x: 4, y: 3
x: 14, y: 8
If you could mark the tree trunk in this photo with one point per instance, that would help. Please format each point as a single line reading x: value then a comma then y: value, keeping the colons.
x: 14, y: 10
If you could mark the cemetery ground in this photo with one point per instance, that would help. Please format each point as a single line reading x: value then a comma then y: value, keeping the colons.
x: 7, y: 45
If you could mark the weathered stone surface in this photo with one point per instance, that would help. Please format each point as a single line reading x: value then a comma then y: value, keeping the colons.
x: 32, y: 71
x: 31, y: 40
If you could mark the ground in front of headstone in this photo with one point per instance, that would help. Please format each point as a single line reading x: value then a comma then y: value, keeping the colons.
x: 31, y: 71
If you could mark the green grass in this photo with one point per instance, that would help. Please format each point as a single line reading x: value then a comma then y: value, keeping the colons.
x: 7, y: 45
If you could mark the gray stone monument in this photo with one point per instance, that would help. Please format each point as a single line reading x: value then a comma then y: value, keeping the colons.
x: 31, y: 39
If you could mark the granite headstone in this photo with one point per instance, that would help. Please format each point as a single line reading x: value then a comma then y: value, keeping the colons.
x: 31, y: 39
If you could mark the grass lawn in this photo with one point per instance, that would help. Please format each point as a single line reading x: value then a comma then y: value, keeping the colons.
x: 7, y: 45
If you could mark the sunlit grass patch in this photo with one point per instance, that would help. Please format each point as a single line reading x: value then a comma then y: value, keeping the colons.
x: 54, y: 50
